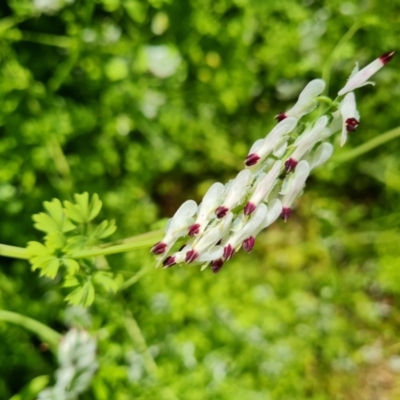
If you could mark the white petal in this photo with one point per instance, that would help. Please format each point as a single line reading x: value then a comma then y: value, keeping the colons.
x: 306, y: 102
x: 238, y: 190
x: 274, y: 211
x: 297, y: 181
x: 322, y: 153
x: 266, y: 184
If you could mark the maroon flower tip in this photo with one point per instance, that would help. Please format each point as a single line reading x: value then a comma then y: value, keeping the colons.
x: 285, y: 214
x: 221, y: 211
x: 280, y: 117
x: 194, y: 229
x: 251, y: 159
x: 248, y: 244
x: 158, y: 248
x: 290, y: 165
x: 169, y: 262
x: 249, y: 208
x: 351, y: 124
x: 386, y: 57
x: 216, y: 265
x: 191, y: 255
x: 229, y: 251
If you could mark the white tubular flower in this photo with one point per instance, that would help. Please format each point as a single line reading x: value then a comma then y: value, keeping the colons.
x: 236, y: 191
x: 292, y: 187
x: 334, y: 126
x: 360, y: 78
x: 274, y: 211
x: 321, y: 154
x: 176, y: 227
x: 77, y: 365
x: 208, y: 240
x: 350, y: 116
x: 306, y: 102
x: 248, y: 230
x: 263, y: 188
x: 306, y: 142
x: 267, y: 146
x: 211, y: 200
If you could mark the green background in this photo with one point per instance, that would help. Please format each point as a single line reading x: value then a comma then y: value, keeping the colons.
x: 149, y: 103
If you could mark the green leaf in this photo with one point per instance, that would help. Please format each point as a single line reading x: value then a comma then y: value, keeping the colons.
x: 105, y: 229
x: 37, y: 249
x: 50, y: 268
x: 71, y: 265
x: 106, y: 280
x: 83, y: 295
x: 55, y: 240
x: 82, y: 211
x: 71, y: 281
x: 75, y: 243
x: 54, y: 220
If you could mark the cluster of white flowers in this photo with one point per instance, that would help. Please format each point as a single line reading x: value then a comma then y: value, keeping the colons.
x: 77, y: 365
x: 277, y: 167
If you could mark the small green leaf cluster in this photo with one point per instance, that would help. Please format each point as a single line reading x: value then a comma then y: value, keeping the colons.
x: 68, y: 228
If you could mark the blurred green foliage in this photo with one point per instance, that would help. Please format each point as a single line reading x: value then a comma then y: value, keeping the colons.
x: 146, y: 104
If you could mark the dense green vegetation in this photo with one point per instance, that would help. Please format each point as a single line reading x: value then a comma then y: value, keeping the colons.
x: 147, y: 104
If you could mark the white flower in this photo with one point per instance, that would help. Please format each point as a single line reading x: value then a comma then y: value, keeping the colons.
x: 292, y: 187
x: 261, y: 149
x: 236, y: 239
x: 209, y: 239
x: 263, y: 188
x: 360, y: 78
x: 306, y: 142
x: 350, y: 116
x: 306, y: 102
x: 321, y: 154
x: 236, y: 191
x: 211, y: 200
x: 176, y: 227
x: 274, y: 211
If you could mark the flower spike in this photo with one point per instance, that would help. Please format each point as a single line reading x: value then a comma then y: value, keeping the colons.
x: 231, y: 216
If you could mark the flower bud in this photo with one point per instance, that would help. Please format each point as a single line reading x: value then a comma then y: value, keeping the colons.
x: 350, y: 116
x: 360, y: 78
x: 306, y: 102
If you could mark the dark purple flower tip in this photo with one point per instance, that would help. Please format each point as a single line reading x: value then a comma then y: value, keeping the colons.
x: 191, y: 255
x: 285, y: 214
x: 216, y: 265
x: 251, y: 159
x: 158, y: 248
x: 229, y: 251
x: 221, y: 211
x: 249, y: 208
x: 194, y: 229
x: 280, y: 117
x: 248, y: 244
x: 386, y: 57
x: 351, y: 124
x: 169, y: 262
x: 290, y: 165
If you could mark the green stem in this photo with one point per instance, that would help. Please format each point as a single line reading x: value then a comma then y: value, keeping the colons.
x: 48, y: 335
x: 13, y: 252
x: 326, y: 71
x: 64, y: 42
x: 9, y: 22
x: 121, y: 248
x: 370, y: 145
